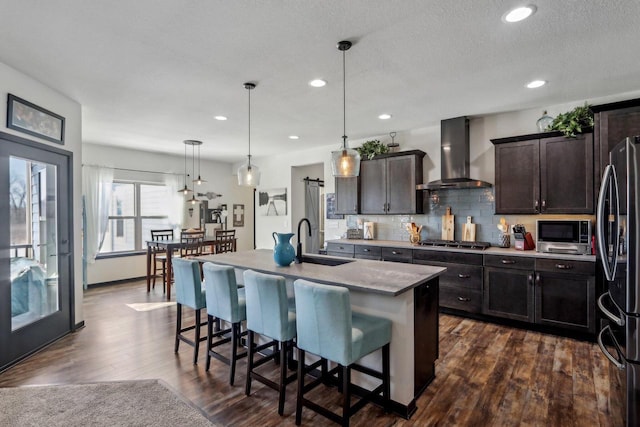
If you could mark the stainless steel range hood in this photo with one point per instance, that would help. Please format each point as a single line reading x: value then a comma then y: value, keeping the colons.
x: 454, y: 155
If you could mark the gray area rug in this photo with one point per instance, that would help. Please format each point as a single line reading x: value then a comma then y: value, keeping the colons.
x: 125, y: 403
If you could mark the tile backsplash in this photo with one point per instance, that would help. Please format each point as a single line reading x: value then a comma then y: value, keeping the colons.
x: 479, y: 203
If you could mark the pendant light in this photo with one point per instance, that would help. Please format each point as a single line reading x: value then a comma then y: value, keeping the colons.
x: 248, y: 174
x: 186, y: 190
x: 192, y: 143
x: 199, y: 180
x: 346, y: 161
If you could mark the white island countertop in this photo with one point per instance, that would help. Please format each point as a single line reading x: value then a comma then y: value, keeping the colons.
x: 388, y: 278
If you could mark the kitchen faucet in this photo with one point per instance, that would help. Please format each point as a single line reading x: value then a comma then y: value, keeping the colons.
x: 299, y: 247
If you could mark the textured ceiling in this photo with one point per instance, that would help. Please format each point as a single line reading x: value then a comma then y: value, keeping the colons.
x: 151, y: 73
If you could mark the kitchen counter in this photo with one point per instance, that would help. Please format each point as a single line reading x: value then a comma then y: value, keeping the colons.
x: 490, y: 251
x: 406, y: 294
x: 359, y: 275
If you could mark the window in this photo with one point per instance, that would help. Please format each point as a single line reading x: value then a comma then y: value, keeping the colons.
x: 135, y: 210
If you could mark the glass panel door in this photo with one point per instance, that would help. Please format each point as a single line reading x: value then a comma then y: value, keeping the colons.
x: 35, y: 262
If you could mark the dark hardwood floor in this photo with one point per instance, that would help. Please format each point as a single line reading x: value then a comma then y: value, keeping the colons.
x: 487, y: 375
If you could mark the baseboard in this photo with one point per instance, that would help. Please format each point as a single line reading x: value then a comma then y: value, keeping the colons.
x: 115, y: 282
x: 77, y: 326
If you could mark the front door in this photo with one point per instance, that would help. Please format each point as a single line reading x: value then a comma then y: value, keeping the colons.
x: 36, y: 277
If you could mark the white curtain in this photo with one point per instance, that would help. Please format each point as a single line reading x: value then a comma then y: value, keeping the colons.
x: 176, y: 201
x: 96, y: 189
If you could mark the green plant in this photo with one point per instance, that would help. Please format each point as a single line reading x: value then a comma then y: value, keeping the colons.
x: 573, y: 122
x: 372, y: 148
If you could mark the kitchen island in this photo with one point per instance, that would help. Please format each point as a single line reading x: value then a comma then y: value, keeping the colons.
x: 405, y: 294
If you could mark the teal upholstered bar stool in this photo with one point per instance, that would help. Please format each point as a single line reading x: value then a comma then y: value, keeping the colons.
x: 224, y: 302
x: 190, y: 293
x: 328, y: 328
x: 268, y: 314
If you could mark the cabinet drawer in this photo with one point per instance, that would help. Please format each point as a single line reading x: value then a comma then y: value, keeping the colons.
x: 461, y: 299
x: 516, y: 262
x: 462, y: 276
x: 397, y: 254
x: 444, y: 256
x: 368, y: 252
x: 341, y: 249
x: 565, y: 266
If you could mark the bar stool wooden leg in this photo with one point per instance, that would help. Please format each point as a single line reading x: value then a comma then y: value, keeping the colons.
x: 178, y: 326
x: 250, y: 349
x: 300, y: 393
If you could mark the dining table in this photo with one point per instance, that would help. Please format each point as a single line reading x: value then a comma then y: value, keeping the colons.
x: 170, y: 246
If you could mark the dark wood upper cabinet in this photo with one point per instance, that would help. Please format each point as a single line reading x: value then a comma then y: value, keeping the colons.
x: 373, y: 175
x: 388, y: 183
x: 517, y: 177
x: 544, y: 173
x: 613, y: 123
x: 347, y: 200
x: 566, y: 175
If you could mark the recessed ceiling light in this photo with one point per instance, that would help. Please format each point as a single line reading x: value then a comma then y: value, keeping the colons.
x: 317, y: 83
x: 536, y: 83
x: 294, y: 137
x: 384, y: 116
x: 520, y: 13
x: 220, y: 118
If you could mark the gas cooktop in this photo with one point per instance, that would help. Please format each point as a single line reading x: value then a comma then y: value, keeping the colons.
x: 455, y: 244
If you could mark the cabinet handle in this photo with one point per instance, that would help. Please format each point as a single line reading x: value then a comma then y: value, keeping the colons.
x: 341, y: 247
x: 564, y: 266
x: 388, y: 207
x: 366, y: 250
x: 538, y: 279
x: 463, y: 276
x: 508, y: 261
x: 355, y: 208
x: 464, y: 299
x: 535, y: 206
x: 384, y: 207
x: 544, y: 205
x: 396, y: 253
x: 530, y: 279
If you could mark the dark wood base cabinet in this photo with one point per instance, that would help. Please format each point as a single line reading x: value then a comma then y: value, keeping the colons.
x: 550, y: 292
x: 426, y: 334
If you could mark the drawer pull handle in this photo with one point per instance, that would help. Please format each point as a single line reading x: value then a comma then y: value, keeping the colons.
x: 366, y: 250
x: 463, y: 276
x: 564, y: 266
x: 341, y: 247
x: 508, y: 261
x: 396, y: 253
x: 464, y: 299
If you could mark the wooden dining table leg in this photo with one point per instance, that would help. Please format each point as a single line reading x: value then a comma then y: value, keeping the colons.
x: 169, y: 271
x: 148, y: 268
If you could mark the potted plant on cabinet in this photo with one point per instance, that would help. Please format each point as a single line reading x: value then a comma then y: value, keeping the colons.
x: 372, y: 148
x: 573, y: 122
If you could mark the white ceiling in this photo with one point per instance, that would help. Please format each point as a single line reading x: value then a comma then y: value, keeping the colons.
x: 151, y: 73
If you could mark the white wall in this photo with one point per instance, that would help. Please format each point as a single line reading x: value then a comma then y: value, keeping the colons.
x: 220, y: 179
x: 19, y: 84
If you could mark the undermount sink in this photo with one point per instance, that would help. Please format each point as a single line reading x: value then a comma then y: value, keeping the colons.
x: 324, y: 261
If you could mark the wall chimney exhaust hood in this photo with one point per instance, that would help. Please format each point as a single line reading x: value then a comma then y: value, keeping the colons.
x: 454, y: 156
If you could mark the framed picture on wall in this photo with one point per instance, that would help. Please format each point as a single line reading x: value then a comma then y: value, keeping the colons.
x: 331, y: 207
x: 272, y: 202
x: 238, y: 215
x: 31, y: 119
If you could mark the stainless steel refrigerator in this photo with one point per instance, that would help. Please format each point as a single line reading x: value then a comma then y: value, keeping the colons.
x: 618, y: 235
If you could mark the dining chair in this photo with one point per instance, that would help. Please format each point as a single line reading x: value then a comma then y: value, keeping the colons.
x: 225, y: 241
x: 159, y: 255
x: 191, y: 243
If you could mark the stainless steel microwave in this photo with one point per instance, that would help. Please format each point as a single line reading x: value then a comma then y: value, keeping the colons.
x: 566, y: 236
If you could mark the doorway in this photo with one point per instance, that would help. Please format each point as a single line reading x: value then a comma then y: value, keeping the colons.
x: 36, y: 276
x: 307, y: 201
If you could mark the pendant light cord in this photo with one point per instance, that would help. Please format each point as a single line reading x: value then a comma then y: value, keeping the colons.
x: 344, y: 101
x: 185, y: 165
x: 249, y: 156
